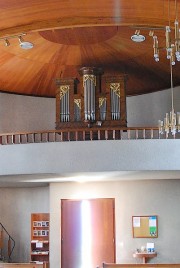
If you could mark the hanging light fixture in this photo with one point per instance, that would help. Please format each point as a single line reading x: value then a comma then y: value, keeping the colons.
x: 171, y: 121
x: 172, y: 42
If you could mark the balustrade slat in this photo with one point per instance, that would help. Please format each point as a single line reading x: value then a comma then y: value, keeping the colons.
x: 61, y: 136
x: 10, y: 139
x: 53, y: 135
x: 99, y: 134
x: 137, y: 134
x: 144, y: 133
x: 106, y: 134
x: 84, y: 135
x: 69, y: 139
x: 129, y: 134
x: 76, y: 135
x: 152, y: 134
x: 114, y: 134
x: 91, y: 135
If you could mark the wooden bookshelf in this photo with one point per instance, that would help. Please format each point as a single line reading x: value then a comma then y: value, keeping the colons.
x: 40, y: 238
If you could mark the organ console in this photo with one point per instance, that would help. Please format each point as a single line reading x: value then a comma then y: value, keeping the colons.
x: 93, y: 100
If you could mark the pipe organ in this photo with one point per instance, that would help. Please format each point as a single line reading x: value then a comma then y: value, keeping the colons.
x: 91, y: 100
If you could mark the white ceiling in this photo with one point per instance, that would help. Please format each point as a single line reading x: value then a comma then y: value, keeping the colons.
x: 39, y: 180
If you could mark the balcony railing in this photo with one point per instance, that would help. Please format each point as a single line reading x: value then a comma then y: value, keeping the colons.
x: 90, y: 134
x: 7, y: 244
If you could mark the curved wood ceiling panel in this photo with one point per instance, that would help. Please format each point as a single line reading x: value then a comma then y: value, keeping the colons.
x: 68, y: 35
x: 79, y: 36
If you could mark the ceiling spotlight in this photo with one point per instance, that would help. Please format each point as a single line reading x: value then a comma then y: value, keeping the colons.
x: 21, y: 40
x: 151, y: 33
x: 7, y: 43
x: 137, y: 37
x: 137, y: 32
x: 25, y: 44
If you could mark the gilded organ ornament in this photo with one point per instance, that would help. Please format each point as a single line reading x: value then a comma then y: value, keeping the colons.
x: 101, y: 101
x: 63, y: 90
x: 78, y: 103
x: 116, y: 88
x: 89, y: 77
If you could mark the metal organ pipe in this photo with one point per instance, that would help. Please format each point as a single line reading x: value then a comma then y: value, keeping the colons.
x: 68, y: 107
x: 88, y: 82
x: 64, y: 101
x: 115, y: 101
x: 64, y: 108
x: 117, y: 107
x: 89, y: 97
x: 85, y: 102
x: 61, y: 109
x: 66, y: 98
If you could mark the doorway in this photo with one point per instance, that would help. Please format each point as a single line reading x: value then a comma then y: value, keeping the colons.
x: 87, y: 232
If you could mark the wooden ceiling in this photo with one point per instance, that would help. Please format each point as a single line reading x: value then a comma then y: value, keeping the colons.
x: 68, y: 35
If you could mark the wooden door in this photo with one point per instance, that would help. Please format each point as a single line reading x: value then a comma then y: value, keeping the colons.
x: 87, y: 233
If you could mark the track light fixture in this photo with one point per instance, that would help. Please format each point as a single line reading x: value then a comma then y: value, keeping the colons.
x: 23, y: 44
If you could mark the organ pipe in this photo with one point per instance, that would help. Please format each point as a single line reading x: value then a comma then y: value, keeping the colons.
x: 115, y: 101
x: 89, y: 84
x: 64, y: 104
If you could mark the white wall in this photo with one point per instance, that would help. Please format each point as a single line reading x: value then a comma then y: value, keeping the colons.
x: 16, y: 207
x: 132, y: 198
x: 90, y: 156
x: 24, y: 113
x: 146, y: 110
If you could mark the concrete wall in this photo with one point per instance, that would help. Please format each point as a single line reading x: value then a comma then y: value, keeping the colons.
x: 23, y: 113
x: 160, y: 197
x: 16, y: 207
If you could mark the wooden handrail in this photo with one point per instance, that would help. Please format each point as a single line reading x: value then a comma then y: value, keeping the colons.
x: 10, y: 239
x: 77, y: 130
x: 21, y: 265
x: 83, y: 134
x: 139, y: 265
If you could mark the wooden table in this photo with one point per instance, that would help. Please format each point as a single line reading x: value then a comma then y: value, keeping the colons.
x: 144, y: 256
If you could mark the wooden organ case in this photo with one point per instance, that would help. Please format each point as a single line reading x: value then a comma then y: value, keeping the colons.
x: 92, y: 101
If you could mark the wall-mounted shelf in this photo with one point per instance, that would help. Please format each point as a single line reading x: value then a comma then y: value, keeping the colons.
x: 144, y: 255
